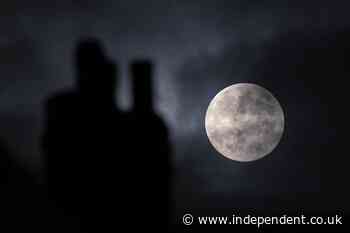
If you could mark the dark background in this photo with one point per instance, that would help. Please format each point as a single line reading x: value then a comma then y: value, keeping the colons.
x: 298, y: 51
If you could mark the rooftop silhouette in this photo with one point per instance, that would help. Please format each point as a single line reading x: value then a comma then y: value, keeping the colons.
x: 99, y: 157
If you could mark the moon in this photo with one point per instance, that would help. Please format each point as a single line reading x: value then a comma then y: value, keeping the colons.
x: 244, y: 122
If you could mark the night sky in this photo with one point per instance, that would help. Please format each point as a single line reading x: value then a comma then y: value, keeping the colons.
x: 198, y: 48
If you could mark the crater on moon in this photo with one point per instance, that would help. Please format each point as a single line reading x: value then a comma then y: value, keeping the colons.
x: 244, y: 122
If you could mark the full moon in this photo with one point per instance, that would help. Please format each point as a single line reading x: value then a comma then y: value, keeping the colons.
x: 244, y: 122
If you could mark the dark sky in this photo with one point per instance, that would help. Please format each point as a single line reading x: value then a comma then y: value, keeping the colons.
x: 198, y: 47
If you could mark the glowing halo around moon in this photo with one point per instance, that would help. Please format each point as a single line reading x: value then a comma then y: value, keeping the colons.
x: 244, y: 122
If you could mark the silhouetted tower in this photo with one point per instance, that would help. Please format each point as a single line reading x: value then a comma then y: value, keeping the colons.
x: 84, y: 135
x: 96, y: 74
x: 153, y: 147
x: 90, y: 144
x: 141, y: 74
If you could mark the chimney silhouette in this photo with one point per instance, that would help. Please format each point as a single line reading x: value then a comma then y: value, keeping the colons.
x: 142, y: 88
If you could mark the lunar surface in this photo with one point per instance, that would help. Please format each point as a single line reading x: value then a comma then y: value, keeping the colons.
x: 244, y: 122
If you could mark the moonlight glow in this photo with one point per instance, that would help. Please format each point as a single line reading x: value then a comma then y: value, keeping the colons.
x: 244, y: 122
